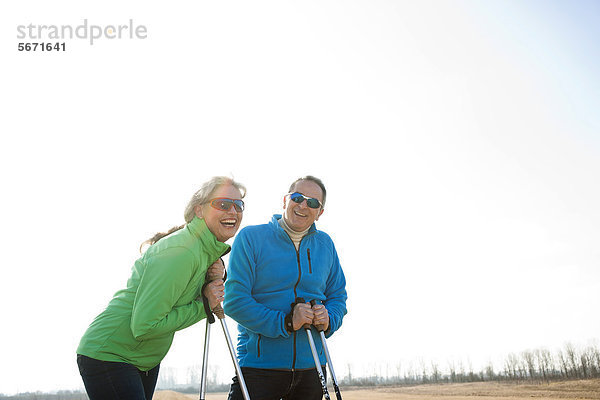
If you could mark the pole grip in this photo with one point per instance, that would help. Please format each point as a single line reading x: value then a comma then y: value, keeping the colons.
x: 218, y: 311
x: 209, y: 315
x: 312, y: 303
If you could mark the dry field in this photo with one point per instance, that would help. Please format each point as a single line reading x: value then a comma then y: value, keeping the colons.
x: 587, y: 389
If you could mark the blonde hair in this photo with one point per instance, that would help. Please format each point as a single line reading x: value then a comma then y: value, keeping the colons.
x: 205, y: 193
x: 202, y: 196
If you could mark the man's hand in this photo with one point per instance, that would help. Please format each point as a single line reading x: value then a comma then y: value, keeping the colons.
x: 215, y: 271
x: 321, y: 317
x: 303, y: 314
x: 214, y: 292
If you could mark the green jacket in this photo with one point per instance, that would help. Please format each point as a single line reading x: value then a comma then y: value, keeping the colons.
x: 140, y: 321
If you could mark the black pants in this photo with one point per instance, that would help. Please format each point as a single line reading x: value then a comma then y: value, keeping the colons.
x: 270, y: 384
x: 106, y: 380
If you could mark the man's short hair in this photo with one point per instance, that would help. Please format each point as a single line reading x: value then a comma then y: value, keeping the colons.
x: 311, y: 179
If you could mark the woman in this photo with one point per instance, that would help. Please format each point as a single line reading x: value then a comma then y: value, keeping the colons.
x: 120, y: 353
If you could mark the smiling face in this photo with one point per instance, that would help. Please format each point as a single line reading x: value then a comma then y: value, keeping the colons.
x: 222, y: 224
x: 300, y: 217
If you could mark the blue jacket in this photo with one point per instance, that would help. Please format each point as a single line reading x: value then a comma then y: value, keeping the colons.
x: 265, y: 275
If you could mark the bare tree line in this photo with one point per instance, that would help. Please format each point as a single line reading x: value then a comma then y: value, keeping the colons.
x: 170, y: 378
x: 542, y: 365
x: 60, y: 395
x: 535, y: 366
x: 539, y: 365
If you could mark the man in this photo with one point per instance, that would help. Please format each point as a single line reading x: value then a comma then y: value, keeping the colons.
x: 270, y: 266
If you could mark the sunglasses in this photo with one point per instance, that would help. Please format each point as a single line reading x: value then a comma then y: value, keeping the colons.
x: 224, y: 204
x: 310, y: 202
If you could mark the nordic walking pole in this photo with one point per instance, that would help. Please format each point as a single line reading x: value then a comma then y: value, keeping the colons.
x: 218, y: 310
x: 338, y: 395
x: 210, y: 319
x: 311, y: 342
x: 205, y: 361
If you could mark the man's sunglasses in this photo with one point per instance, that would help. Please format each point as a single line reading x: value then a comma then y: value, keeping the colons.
x: 299, y: 198
x: 225, y: 204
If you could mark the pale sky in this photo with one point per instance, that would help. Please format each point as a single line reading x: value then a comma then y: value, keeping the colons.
x: 459, y: 142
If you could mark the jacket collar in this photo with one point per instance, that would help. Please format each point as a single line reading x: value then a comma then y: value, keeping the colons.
x: 275, y: 224
x: 208, y: 241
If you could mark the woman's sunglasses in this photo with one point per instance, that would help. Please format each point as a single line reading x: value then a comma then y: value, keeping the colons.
x: 225, y: 204
x: 299, y: 198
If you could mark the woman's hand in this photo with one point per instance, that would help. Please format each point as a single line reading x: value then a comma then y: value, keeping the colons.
x: 214, y: 292
x: 215, y: 271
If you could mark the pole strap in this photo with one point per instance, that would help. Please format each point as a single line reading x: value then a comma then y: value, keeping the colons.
x: 209, y: 314
x: 288, y: 320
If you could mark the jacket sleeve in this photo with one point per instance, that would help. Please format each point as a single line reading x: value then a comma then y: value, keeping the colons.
x: 335, y: 295
x: 166, y: 276
x: 239, y: 303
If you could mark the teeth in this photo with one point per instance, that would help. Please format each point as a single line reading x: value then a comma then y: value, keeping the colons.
x: 229, y: 222
x: 297, y: 213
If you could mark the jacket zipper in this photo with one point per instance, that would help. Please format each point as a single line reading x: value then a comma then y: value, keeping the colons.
x: 258, y: 344
x: 299, y: 275
x: 309, y: 263
x: 296, y: 295
x: 296, y: 286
